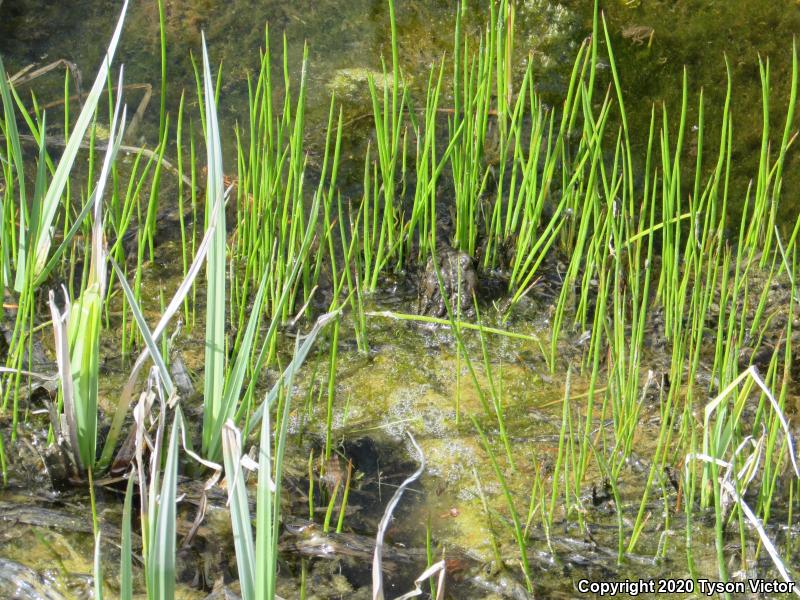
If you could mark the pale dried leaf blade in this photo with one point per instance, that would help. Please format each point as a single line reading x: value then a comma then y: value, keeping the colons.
x: 64, y: 370
x: 762, y: 534
x: 435, y: 569
x: 377, y: 559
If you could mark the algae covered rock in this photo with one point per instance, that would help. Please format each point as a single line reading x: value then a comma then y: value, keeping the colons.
x: 352, y: 84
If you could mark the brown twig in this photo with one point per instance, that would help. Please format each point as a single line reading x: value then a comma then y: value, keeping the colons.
x: 28, y: 74
x: 60, y: 143
x: 137, y: 116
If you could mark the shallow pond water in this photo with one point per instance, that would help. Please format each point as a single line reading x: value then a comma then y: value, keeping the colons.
x: 413, y: 379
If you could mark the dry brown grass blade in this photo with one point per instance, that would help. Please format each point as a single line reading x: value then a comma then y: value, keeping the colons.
x: 29, y: 73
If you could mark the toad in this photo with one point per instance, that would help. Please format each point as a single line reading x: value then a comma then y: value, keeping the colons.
x: 459, y: 282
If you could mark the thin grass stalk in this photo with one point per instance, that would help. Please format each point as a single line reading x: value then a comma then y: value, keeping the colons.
x: 517, y: 527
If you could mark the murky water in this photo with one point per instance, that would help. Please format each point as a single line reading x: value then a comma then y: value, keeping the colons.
x: 412, y: 378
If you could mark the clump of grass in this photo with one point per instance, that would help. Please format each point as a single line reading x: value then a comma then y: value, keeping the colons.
x: 32, y: 253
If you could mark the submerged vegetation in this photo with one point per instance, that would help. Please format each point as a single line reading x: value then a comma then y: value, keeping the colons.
x: 654, y: 295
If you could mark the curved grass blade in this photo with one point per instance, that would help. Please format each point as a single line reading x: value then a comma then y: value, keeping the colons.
x: 377, y: 558
x: 111, y: 154
x: 12, y: 135
x: 52, y: 198
x: 152, y: 347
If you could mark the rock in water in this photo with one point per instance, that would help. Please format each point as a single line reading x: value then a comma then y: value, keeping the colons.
x: 18, y: 582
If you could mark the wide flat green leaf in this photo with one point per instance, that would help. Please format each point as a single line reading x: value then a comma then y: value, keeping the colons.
x: 111, y: 154
x: 98, y: 569
x: 267, y: 494
x: 240, y: 510
x: 161, y: 557
x: 270, y: 470
x: 216, y: 266
x: 233, y: 387
x: 83, y: 333
x: 125, y: 566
